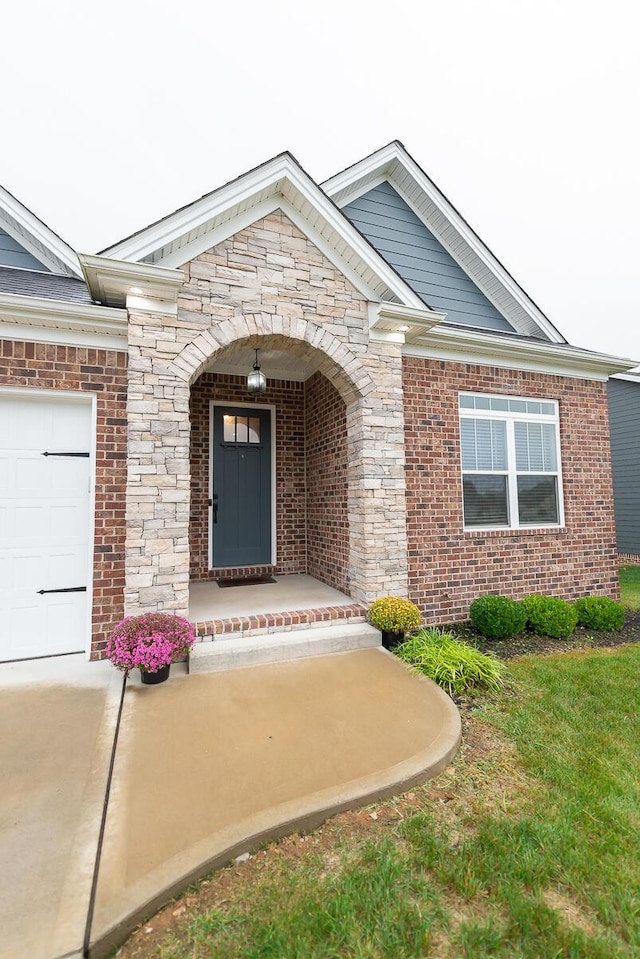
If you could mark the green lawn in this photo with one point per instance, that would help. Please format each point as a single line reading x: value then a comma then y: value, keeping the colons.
x: 528, y: 846
x: 630, y: 586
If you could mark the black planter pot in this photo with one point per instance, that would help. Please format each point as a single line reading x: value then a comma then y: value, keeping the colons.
x: 390, y: 640
x: 160, y: 676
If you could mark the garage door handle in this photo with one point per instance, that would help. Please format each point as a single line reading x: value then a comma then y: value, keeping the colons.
x: 67, y: 454
x: 69, y: 589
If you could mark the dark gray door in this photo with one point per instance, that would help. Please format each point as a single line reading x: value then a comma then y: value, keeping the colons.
x: 241, y: 521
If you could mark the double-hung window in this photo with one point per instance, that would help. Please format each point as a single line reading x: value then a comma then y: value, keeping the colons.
x: 510, y: 461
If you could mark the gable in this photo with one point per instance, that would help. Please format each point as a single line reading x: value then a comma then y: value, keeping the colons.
x: 406, y: 243
x: 394, y: 165
x: 16, y: 255
x: 26, y: 243
x: 279, y: 184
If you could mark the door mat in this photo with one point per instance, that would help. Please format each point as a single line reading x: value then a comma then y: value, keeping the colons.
x: 245, y: 581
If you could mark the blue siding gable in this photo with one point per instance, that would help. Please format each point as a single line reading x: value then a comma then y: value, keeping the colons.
x: 398, y: 235
x: 14, y: 254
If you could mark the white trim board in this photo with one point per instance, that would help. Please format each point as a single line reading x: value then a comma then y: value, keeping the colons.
x: 511, y: 352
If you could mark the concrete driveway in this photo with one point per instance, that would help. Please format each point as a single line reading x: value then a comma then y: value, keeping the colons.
x: 206, y: 767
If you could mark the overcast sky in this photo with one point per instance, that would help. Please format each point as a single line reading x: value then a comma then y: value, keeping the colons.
x: 524, y: 113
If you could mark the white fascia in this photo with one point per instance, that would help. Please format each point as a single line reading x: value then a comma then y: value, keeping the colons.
x: 631, y: 377
x: 363, y: 176
x: 56, y: 321
x: 36, y: 237
x: 147, y: 242
x: 401, y: 324
x: 111, y: 281
x: 383, y: 165
x: 241, y: 202
x: 515, y: 353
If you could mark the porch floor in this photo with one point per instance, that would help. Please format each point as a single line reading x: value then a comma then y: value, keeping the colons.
x: 208, y: 601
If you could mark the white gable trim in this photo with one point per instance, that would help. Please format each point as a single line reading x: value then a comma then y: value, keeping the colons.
x: 205, y: 241
x: 36, y: 237
x: 393, y: 163
x: 167, y: 241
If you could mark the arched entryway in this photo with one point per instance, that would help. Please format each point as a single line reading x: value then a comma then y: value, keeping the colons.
x: 269, y: 473
x: 360, y: 386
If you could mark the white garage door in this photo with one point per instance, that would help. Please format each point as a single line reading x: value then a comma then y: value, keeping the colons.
x: 45, y: 514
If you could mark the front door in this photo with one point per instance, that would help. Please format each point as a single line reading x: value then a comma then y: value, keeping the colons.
x: 241, y: 488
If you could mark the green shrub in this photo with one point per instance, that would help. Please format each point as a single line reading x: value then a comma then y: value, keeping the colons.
x: 450, y: 663
x: 497, y: 616
x: 600, y: 613
x: 550, y: 616
x: 394, y: 614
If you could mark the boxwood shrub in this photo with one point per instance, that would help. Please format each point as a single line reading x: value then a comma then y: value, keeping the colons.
x: 497, y: 616
x: 550, y: 616
x: 600, y: 613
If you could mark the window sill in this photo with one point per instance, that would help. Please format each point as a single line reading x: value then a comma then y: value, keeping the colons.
x: 512, y: 531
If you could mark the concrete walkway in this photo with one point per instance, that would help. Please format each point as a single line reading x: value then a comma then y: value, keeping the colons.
x: 206, y: 767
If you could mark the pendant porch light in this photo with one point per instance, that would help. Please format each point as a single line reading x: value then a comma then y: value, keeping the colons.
x: 256, y: 380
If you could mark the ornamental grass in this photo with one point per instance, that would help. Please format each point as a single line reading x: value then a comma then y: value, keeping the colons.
x: 451, y: 663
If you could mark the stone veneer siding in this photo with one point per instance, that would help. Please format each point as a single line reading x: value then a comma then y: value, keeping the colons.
x: 449, y: 568
x: 327, y: 501
x: 288, y: 398
x: 266, y: 285
x: 103, y: 372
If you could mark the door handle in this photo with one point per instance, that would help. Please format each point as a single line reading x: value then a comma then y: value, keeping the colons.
x: 213, y: 503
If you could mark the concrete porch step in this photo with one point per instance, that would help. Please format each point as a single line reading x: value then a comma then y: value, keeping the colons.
x: 233, y: 653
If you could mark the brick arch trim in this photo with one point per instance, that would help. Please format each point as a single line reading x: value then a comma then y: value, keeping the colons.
x: 349, y: 376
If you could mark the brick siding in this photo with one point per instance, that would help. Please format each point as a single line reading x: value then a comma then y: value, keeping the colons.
x: 449, y: 568
x: 288, y: 398
x: 327, y: 511
x: 103, y: 372
x: 312, y: 524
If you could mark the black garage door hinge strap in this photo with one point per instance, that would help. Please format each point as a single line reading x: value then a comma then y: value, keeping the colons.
x: 69, y: 589
x: 86, y: 455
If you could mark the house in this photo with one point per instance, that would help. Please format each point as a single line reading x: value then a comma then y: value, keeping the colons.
x: 425, y: 430
x: 624, y: 424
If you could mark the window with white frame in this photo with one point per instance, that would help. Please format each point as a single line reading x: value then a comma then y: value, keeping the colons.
x: 510, y: 461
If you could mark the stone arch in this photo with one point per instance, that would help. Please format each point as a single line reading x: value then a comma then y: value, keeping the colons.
x: 347, y: 372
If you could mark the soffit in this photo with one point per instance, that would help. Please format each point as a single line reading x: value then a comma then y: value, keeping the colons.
x: 238, y: 359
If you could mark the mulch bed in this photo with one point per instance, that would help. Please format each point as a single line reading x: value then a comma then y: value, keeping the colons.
x: 527, y: 642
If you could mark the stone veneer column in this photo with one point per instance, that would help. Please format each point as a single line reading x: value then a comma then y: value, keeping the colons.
x: 157, y: 517
x: 376, y: 481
